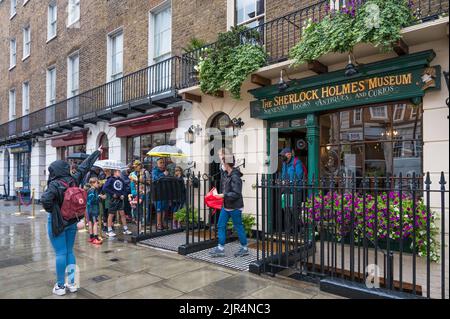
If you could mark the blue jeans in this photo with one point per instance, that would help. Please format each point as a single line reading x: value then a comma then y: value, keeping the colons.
x: 63, y: 247
x: 236, y: 217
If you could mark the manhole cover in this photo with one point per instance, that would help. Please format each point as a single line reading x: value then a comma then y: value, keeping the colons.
x: 101, y: 278
x: 114, y: 259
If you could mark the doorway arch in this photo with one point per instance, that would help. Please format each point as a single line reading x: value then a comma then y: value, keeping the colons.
x: 218, y: 138
x: 103, y: 141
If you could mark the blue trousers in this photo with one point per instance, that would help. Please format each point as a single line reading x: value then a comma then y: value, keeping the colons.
x: 63, y: 247
x: 236, y: 217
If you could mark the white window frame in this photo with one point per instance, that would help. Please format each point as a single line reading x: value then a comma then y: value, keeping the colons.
x: 70, y: 73
x: 50, y: 23
x: 50, y: 100
x: 114, y: 89
x: 26, y: 50
x: 249, y: 20
x: 12, y: 53
x: 73, y: 16
x: 109, y: 59
x: 402, y: 116
x: 25, y: 98
x: 12, y: 104
x: 337, y: 4
x: 360, y: 112
x: 376, y: 117
x: 152, y: 59
x: 12, y: 9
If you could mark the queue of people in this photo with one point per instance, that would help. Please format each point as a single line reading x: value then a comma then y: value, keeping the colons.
x: 113, y: 189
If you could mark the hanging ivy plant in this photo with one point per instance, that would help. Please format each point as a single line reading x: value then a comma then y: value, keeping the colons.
x: 226, y: 66
x: 378, y: 22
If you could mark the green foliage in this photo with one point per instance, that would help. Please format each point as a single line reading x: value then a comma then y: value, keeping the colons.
x: 227, y: 65
x: 180, y: 215
x: 194, y: 44
x: 378, y: 22
x: 247, y: 220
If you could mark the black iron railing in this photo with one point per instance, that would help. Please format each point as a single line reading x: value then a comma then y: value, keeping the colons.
x: 385, y: 232
x: 280, y: 35
x: 151, y: 82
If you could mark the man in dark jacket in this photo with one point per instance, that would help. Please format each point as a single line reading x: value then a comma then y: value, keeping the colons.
x: 61, y: 232
x: 233, y: 205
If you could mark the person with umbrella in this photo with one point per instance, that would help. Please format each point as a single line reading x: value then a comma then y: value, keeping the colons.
x: 160, y: 205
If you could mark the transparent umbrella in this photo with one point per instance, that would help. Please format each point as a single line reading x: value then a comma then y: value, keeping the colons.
x: 166, y: 151
x: 110, y: 164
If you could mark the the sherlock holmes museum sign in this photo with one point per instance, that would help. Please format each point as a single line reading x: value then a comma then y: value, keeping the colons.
x: 307, y: 96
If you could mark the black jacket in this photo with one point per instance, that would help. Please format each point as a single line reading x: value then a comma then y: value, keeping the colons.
x: 53, y: 196
x: 232, y: 190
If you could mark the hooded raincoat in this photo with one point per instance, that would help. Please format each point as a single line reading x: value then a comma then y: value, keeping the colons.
x: 53, y: 196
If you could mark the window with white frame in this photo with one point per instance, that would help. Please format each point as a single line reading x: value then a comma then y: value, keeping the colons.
x: 51, y: 86
x: 12, y: 53
x: 357, y: 116
x: 25, y: 98
x: 12, y: 8
x: 73, y: 66
x: 337, y: 4
x: 115, y: 55
x: 399, y: 112
x: 162, y: 34
x: 51, y: 21
x: 12, y: 104
x: 73, y: 12
x: 378, y: 112
x: 249, y: 12
x: 26, y: 42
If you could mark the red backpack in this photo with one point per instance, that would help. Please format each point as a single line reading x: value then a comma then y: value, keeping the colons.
x: 74, y: 203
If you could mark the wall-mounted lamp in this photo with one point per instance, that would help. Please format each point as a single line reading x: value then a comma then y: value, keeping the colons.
x: 237, y: 124
x: 189, y: 135
x: 282, y: 85
x: 351, y: 69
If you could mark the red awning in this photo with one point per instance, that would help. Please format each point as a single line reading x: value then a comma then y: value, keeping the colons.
x: 151, y: 123
x: 70, y: 139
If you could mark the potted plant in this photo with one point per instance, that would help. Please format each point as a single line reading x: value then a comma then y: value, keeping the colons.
x: 249, y: 222
x: 180, y: 216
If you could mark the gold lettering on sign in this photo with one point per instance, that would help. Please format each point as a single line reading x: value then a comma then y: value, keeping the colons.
x: 340, y: 90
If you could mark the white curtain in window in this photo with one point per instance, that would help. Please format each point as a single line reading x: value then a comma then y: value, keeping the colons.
x: 162, y: 33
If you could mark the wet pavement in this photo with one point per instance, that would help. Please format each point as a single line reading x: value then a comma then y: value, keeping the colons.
x: 118, y: 269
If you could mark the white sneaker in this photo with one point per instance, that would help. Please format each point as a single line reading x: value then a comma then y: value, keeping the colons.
x: 72, y: 287
x: 59, y: 291
x: 111, y: 234
x: 127, y: 232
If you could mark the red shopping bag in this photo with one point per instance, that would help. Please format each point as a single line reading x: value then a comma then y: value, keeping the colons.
x: 212, y: 201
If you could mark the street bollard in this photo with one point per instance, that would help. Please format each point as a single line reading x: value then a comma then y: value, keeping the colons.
x: 20, y: 207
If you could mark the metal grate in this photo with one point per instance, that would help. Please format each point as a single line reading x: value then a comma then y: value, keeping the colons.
x: 169, y: 242
x: 100, y: 278
x: 229, y: 261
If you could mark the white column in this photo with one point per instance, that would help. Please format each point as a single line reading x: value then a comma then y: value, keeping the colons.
x: 38, y: 167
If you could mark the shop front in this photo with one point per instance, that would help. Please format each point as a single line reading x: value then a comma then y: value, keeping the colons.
x: 368, y: 125
x: 69, y: 144
x: 20, y: 154
x: 146, y: 132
